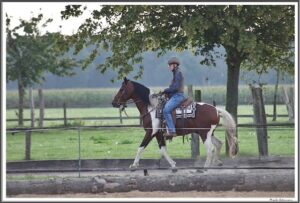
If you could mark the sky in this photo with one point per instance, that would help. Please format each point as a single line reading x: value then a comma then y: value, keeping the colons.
x: 26, y: 10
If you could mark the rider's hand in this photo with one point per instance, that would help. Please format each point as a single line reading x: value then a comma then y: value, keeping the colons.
x: 161, y: 92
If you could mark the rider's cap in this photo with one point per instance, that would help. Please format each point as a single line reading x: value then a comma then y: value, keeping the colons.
x: 174, y: 60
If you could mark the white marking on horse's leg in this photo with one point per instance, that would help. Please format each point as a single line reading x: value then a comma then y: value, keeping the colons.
x: 218, y: 146
x: 209, y: 146
x: 164, y: 152
x: 137, y: 157
x: 209, y: 149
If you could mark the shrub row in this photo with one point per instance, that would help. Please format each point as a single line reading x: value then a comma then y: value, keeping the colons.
x: 102, y: 97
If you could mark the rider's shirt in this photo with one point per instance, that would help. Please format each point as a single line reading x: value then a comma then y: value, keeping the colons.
x: 176, y: 85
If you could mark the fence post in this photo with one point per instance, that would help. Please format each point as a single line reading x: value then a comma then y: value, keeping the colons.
x: 27, y: 145
x: 260, y: 119
x: 195, y: 147
x: 65, y: 114
x: 42, y: 107
x: 31, y: 104
x: 120, y: 113
x: 79, y: 151
x: 141, y: 121
x: 289, y: 101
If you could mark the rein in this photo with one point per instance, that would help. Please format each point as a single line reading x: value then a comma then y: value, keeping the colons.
x: 124, y: 105
x: 132, y: 101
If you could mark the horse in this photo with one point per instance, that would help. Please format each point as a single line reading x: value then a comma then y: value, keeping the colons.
x: 207, y: 118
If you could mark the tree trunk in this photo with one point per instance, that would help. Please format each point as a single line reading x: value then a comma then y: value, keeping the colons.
x: 232, y: 91
x: 275, y: 96
x: 21, y: 92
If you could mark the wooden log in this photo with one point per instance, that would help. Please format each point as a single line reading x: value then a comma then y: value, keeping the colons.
x: 260, y: 119
x: 216, y: 180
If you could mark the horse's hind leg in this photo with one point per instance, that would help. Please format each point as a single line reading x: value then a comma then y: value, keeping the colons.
x: 141, y: 149
x: 217, y: 151
x: 163, y: 150
x: 209, y: 146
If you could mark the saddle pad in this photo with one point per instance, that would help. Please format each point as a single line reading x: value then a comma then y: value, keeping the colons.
x: 188, y: 112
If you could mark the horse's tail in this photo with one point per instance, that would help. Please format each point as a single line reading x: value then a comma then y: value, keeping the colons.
x: 230, y: 125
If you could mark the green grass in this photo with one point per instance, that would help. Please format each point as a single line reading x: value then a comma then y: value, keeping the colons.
x: 123, y: 143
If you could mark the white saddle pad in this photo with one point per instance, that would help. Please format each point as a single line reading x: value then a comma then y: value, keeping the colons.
x: 188, y: 112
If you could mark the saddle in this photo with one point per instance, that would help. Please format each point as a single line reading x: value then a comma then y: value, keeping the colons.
x: 185, y: 103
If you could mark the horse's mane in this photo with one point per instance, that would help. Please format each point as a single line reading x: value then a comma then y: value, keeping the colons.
x: 142, y: 91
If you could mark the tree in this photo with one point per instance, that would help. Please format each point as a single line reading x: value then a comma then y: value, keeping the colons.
x: 30, y: 55
x: 245, y: 31
x: 280, y: 59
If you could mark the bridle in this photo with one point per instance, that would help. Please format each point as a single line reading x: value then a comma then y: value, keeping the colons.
x: 123, y: 105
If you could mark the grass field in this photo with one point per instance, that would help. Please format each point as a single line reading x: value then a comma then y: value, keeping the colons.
x: 123, y: 143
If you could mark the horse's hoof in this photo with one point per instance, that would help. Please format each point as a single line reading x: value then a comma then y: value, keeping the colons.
x: 174, y: 170
x: 219, y: 163
x: 133, y: 167
x: 205, y: 168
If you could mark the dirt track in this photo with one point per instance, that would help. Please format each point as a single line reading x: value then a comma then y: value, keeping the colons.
x: 179, y: 195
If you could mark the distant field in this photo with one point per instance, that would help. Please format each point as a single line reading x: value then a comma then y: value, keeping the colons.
x: 102, y: 97
x: 123, y: 143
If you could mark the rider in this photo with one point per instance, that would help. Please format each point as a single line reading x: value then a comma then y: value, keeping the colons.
x: 175, y: 94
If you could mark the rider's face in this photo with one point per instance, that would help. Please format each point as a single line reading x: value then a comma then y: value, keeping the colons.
x: 171, y: 67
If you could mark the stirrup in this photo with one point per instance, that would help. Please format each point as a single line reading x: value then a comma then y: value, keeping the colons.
x: 170, y: 135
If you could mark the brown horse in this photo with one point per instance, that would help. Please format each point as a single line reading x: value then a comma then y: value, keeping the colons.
x: 207, y: 118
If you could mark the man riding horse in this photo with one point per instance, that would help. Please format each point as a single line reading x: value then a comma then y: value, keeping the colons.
x: 175, y: 94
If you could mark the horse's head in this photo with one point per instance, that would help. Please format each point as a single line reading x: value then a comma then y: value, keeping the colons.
x: 124, y: 94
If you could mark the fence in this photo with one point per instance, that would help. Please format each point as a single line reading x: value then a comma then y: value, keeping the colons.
x: 119, y: 118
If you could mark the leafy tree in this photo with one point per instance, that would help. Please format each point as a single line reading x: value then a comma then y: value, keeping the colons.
x: 279, y: 59
x: 249, y: 33
x: 30, y: 54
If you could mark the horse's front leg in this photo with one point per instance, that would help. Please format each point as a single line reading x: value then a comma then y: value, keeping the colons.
x: 141, y: 149
x: 163, y: 150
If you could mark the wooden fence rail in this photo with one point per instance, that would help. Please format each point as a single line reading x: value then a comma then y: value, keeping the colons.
x: 118, y: 118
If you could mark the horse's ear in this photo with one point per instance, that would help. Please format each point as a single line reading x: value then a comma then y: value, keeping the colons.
x: 125, y: 80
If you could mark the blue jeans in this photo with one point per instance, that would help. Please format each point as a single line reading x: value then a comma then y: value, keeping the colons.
x: 174, y: 102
